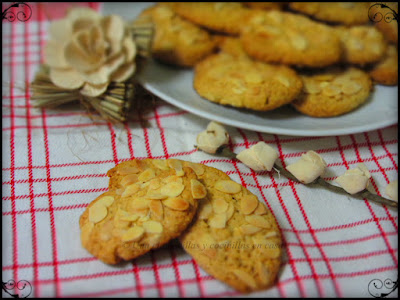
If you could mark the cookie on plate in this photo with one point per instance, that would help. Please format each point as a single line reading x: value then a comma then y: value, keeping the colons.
x: 386, y: 71
x: 384, y: 19
x: 234, y: 237
x: 347, y: 13
x: 226, y: 17
x: 177, y: 41
x: 280, y: 37
x: 333, y: 92
x: 361, y: 44
x: 232, y: 46
x: 243, y: 83
x: 149, y: 202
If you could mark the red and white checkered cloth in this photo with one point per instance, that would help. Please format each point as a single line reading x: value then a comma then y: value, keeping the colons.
x: 55, y: 163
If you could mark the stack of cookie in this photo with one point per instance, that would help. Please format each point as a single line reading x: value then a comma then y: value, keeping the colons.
x: 321, y: 58
x: 229, y: 233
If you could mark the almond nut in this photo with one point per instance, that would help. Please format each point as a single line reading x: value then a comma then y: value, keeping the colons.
x: 261, y: 209
x: 156, y: 209
x: 155, y: 195
x: 257, y: 221
x: 230, y: 211
x: 249, y: 229
x: 161, y: 164
x: 177, y: 166
x: 97, y: 213
x: 146, y: 175
x: 128, y: 170
x: 152, y: 227
x: 219, y: 205
x: 172, y: 189
x: 129, y: 179
x: 139, y: 204
x: 228, y: 186
x: 217, y: 221
x: 133, y: 234
x: 199, y: 191
x: 248, y: 204
x: 197, y: 168
x: 176, y: 204
x: 351, y: 88
x: 205, y: 211
x: 130, y: 190
x: 106, y: 201
x: 246, y: 278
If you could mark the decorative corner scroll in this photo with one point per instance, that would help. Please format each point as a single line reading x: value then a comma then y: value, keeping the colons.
x: 18, y: 11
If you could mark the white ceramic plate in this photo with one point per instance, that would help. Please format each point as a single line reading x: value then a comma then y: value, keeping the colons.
x: 176, y: 87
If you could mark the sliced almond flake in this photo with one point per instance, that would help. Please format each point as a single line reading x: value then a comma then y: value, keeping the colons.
x: 258, y: 221
x: 92, y: 90
x: 230, y: 211
x: 176, y: 204
x: 219, y: 205
x: 139, y: 204
x: 228, y: 186
x: 146, y: 175
x: 197, y: 168
x: 199, y: 191
x: 156, y: 209
x: 68, y: 79
x: 130, y: 190
x: 271, y: 234
x: 97, y: 212
x: 177, y: 166
x: 263, y: 273
x: 248, y: 204
x: 261, y: 209
x: 246, y: 278
x: 144, y: 218
x: 351, y: 87
x: 205, y: 211
x: 172, y: 189
x: 128, y: 170
x: 249, y: 229
x: 161, y: 164
x: 106, y: 200
x: 152, y: 227
x: 129, y: 179
x: 311, y: 87
x: 154, y: 184
x: 133, y: 234
x: 155, y: 195
x: 217, y: 221
x: 173, y: 178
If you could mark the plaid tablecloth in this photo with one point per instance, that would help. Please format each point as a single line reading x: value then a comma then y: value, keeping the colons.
x: 55, y: 162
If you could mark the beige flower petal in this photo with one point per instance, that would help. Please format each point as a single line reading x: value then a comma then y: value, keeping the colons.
x: 78, y: 58
x: 66, y: 78
x: 83, y: 24
x: 115, y: 62
x: 129, y: 47
x: 99, y: 76
x: 92, y: 90
x: 54, y: 54
x: 61, y: 30
x: 114, y: 29
x: 82, y: 13
x: 123, y: 73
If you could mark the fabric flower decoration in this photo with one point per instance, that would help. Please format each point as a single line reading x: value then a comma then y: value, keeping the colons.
x: 87, y: 51
x: 308, y: 168
x: 259, y: 157
x: 212, y: 138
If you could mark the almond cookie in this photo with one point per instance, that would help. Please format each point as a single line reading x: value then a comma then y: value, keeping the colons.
x: 348, y: 13
x: 333, y: 92
x: 234, y: 237
x: 279, y: 37
x: 226, y: 17
x: 384, y: 19
x: 243, y: 83
x: 361, y: 44
x: 149, y: 202
x: 232, y: 46
x: 387, y: 70
x: 177, y: 41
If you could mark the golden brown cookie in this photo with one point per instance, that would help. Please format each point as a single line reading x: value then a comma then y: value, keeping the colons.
x: 361, y: 44
x: 348, y: 13
x: 177, y: 41
x: 333, y: 92
x: 232, y: 46
x: 149, y: 202
x: 386, y: 71
x: 265, y: 5
x: 280, y: 37
x: 243, y: 83
x: 234, y: 237
x: 383, y: 17
x: 226, y: 17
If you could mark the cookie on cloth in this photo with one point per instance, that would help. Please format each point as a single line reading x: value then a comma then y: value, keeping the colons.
x: 281, y: 37
x: 177, y: 41
x: 386, y: 71
x: 361, y: 44
x: 149, y: 202
x: 333, y: 92
x: 347, y: 13
x: 234, y: 236
x: 226, y: 17
x: 243, y: 83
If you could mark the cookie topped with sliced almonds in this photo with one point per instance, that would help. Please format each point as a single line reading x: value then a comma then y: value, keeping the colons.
x: 234, y: 236
x: 149, y: 202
